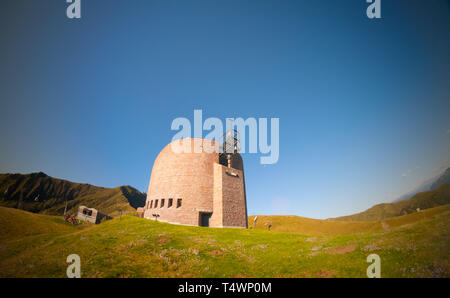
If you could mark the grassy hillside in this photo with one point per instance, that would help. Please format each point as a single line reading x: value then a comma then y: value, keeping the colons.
x: 423, y: 200
x: 44, y: 194
x: 135, y: 247
x: 309, y: 226
x: 18, y: 224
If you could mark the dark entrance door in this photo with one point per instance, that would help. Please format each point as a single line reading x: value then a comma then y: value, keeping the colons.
x: 204, y: 219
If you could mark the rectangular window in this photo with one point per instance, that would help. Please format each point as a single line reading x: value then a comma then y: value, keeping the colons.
x: 169, y: 204
x: 178, y: 203
x: 162, y: 203
x: 156, y: 203
x: 151, y: 204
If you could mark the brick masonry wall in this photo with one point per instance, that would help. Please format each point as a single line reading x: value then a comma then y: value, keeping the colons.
x: 217, y: 216
x: 202, y: 184
x: 229, y: 203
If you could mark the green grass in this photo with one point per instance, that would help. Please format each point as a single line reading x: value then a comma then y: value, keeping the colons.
x: 329, y: 227
x: 416, y: 245
x: 17, y: 224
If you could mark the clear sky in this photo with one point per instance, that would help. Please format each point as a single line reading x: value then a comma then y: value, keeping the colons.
x: 363, y: 104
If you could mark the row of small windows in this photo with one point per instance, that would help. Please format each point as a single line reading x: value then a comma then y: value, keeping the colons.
x: 163, y: 202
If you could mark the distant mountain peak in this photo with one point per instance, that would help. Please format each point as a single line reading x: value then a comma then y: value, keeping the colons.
x: 429, y: 184
x: 444, y: 178
x: 40, y: 174
x: 420, y: 201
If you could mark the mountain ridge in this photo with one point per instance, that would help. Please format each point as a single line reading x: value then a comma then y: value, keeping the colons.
x: 429, y: 184
x: 45, y: 194
x: 420, y: 201
x: 444, y: 178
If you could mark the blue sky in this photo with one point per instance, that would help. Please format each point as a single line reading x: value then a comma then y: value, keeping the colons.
x: 363, y: 104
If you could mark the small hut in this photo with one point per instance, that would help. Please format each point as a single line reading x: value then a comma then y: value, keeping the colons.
x: 91, y: 215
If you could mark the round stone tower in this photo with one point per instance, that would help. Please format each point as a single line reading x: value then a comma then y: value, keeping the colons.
x: 197, y: 186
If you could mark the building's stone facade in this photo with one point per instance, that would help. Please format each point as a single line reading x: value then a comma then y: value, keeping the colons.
x: 200, y: 184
